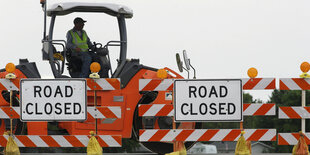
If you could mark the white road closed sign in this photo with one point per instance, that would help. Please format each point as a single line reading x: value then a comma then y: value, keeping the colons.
x: 53, y: 99
x: 208, y: 100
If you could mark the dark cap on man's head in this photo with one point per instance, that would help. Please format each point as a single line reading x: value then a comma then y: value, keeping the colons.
x: 78, y: 20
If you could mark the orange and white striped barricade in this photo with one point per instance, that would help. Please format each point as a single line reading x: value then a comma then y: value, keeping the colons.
x: 104, y: 112
x: 266, y: 109
x: 259, y: 109
x: 108, y: 114
x: 294, y: 84
x: 152, y: 135
x: 156, y: 84
x: 62, y: 140
x: 92, y: 84
x: 171, y: 135
x: 293, y: 112
x: 9, y: 84
x: 103, y: 84
x: 155, y: 110
x: 258, y: 83
x: 9, y: 112
x: 291, y: 138
x: 167, y: 84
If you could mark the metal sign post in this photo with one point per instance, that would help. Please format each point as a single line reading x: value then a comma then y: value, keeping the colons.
x: 304, y: 67
x: 252, y: 73
x: 11, y: 120
x: 303, y: 104
x: 95, y: 103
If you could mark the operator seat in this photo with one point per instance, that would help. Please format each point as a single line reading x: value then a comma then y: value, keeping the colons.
x: 74, y: 64
x: 103, y: 57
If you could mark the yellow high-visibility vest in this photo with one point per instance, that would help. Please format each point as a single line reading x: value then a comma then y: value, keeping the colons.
x: 80, y: 43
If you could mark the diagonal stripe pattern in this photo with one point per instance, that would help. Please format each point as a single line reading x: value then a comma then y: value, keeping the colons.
x: 206, y: 135
x: 294, y: 84
x: 103, y: 84
x: 291, y: 138
x: 92, y: 84
x: 8, y: 112
x: 105, y: 112
x: 108, y: 112
x: 294, y: 112
x: 156, y: 84
x: 9, y: 84
x: 62, y: 140
x: 156, y: 110
x: 167, y: 84
x: 258, y: 83
x: 265, y: 109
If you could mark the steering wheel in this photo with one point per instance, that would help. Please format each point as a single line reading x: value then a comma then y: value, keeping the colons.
x: 95, y: 47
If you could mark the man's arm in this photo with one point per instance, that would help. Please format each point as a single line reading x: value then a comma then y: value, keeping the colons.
x: 89, y: 43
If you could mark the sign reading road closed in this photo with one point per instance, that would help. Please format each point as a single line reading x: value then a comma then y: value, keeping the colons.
x: 53, y: 99
x: 208, y: 100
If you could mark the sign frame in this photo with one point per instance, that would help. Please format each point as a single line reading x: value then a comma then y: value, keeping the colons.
x: 53, y: 120
x: 219, y: 120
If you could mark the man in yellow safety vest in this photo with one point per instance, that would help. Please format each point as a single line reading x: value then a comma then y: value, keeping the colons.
x: 79, y: 43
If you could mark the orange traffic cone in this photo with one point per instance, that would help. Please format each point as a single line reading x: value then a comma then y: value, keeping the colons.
x: 301, y: 148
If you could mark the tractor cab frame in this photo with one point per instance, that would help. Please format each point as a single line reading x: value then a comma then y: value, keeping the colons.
x: 128, y: 72
x: 61, y: 9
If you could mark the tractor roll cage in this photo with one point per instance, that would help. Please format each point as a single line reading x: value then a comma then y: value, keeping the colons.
x: 119, y: 11
x: 111, y: 9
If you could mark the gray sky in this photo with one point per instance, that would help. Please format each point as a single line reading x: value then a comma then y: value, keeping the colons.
x: 223, y: 38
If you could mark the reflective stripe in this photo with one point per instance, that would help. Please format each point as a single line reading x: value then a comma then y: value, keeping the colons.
x: 82, y: 44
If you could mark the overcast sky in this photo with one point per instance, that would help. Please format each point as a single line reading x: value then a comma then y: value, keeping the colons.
x: 223, y: 38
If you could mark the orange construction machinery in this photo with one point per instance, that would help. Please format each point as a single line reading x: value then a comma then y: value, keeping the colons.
x: 112, y: 102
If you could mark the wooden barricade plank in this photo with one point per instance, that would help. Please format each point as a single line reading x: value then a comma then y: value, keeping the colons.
x: 266, y: 109
x: 104, y: 112
x: 92, y: 84
x: 294, y: 83
x: 62, y: 140
x: 167, y: 84
x: 294, y: 112
x: 206, y: 135
x: 291, y: 138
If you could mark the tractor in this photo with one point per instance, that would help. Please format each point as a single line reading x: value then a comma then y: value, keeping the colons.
x: 129, y: 71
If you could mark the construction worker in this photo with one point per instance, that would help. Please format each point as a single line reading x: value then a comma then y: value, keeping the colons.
x: 79, y: 43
